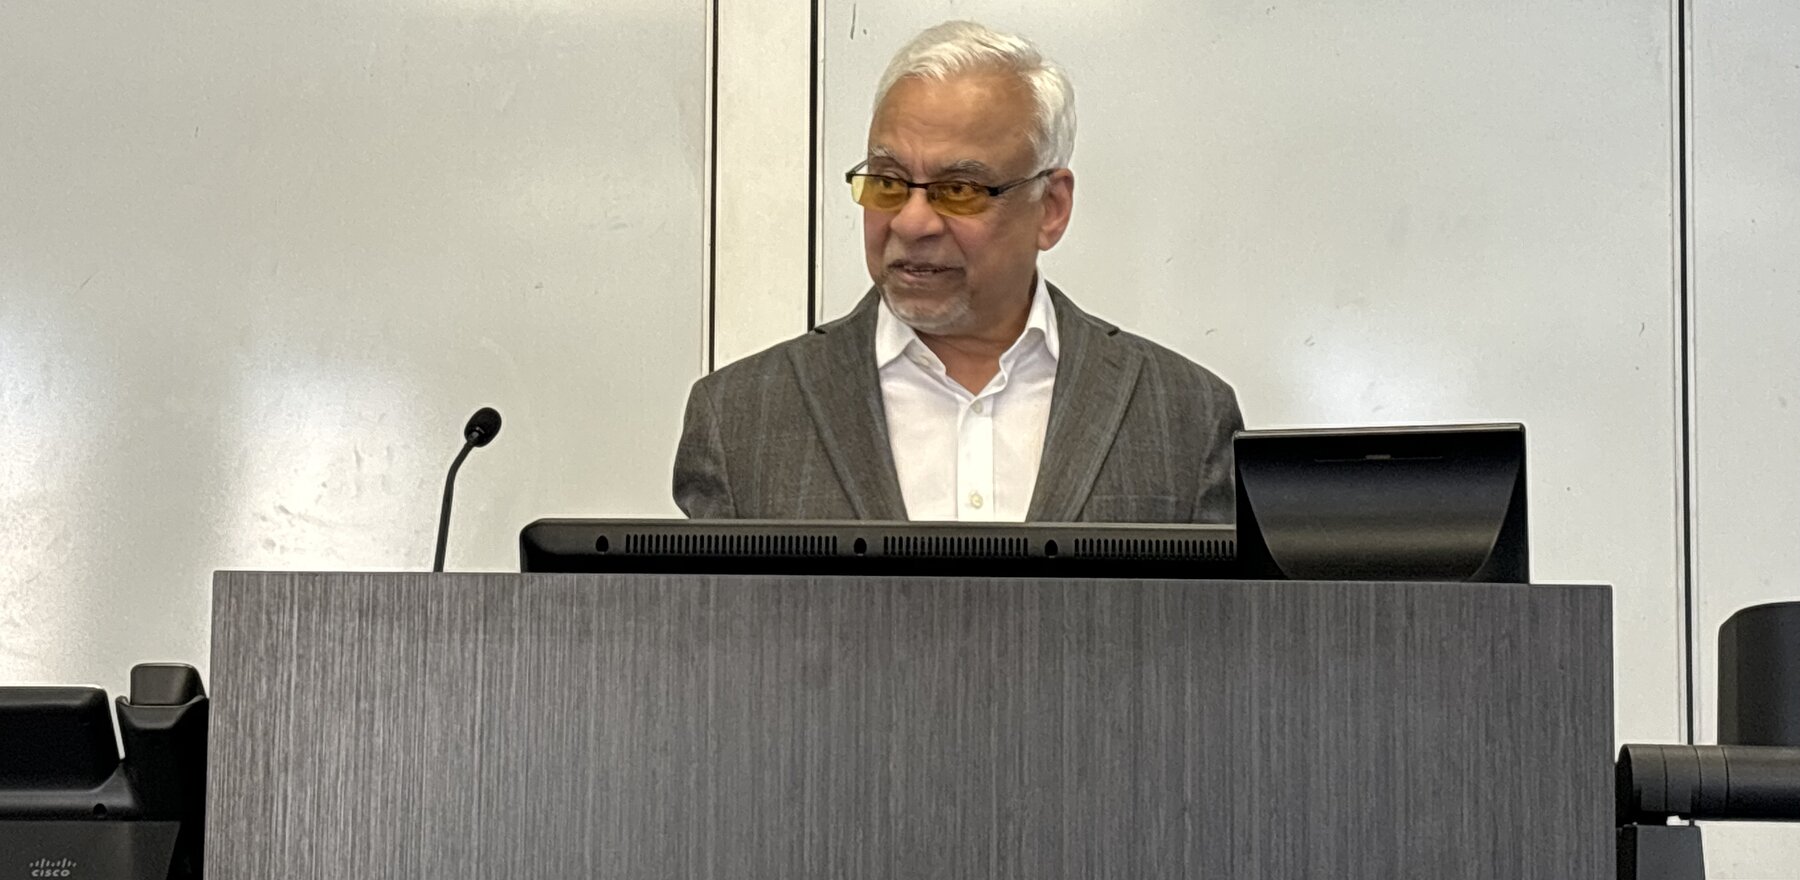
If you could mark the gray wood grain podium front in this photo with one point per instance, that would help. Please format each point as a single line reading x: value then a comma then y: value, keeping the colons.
x: 560, y: 726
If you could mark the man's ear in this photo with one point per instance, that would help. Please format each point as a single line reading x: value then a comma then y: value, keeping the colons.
x: 1059, y: 203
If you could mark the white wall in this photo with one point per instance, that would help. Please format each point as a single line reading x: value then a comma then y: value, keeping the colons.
x: 762, y: 267
x: 1745, y: 292
x: 260, y: 259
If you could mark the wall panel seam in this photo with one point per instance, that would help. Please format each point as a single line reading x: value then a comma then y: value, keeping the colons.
x: 1685, y: 339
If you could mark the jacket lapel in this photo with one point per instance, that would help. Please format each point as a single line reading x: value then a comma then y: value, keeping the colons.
x: 842, y: 391
x: 1095, y: 375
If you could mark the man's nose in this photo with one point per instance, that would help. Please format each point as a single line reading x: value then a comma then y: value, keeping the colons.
x: 917, y: 219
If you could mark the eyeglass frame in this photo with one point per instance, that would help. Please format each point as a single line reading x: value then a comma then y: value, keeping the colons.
x: 993, y: 192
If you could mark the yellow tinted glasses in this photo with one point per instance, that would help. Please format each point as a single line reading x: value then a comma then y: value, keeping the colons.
x: 952, y: 198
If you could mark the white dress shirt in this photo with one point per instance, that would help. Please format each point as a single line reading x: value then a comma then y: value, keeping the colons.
x: 963, y: 456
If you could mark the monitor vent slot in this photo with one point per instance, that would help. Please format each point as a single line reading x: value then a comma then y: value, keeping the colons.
x: 702, y: 544
x: 1154, y: 548
x: 953, y: 546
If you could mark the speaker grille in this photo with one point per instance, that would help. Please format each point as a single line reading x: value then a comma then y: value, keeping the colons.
x: 1154, y: 548
x: 704, y: 544
x: 956, y: 546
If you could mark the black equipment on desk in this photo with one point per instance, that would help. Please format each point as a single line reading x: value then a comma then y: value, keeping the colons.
x: 70, y: 806
x: 1443, y: 502
x: 1419, y: 503
x: 1752, y: 775
x: 649, y: 546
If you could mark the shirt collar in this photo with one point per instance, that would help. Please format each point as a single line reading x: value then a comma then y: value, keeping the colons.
x: 893, y: 337
x: 1043, y: 318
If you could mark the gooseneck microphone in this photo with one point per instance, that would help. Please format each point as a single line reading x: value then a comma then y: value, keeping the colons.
x: 480, y: 431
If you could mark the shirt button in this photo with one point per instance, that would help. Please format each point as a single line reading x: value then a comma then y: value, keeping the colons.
x: 975, y: 500
x: 977, y: 407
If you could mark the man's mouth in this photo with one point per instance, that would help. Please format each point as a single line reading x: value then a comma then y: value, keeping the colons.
x: 915, y: 269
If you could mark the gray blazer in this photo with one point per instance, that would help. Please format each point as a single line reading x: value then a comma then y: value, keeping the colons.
x: 1137, y: 433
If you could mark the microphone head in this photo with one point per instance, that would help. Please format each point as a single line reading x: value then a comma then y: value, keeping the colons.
x: 482, y: 426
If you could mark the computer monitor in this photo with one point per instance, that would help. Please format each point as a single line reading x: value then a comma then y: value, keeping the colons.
x: 877, y: 548
x: 1403, y: 503
x: 1442, y: 503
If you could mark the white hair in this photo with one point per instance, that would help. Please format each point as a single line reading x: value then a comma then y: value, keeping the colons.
x: 957, y: 47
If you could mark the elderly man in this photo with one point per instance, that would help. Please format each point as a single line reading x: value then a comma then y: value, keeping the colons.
x: 963, y: 386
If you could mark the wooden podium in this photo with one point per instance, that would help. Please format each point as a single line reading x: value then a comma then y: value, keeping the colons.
x: 613, y: 726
